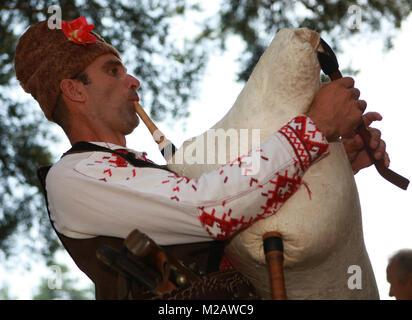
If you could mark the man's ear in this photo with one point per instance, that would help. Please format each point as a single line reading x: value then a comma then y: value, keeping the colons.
x: 73, y: 90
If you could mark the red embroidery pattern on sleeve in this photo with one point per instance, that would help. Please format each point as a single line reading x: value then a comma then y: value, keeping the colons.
x: 283, y: 187
x: 308, y: 143
x: 307, y: 140
x: 220, y: 225
x: 238, y: 161
x: 174, y: 184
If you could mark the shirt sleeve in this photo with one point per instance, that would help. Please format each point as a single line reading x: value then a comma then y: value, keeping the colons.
x: 103, y: 195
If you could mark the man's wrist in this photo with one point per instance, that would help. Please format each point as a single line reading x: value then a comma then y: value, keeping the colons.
x: 307, y: 140
x: 324, y: 126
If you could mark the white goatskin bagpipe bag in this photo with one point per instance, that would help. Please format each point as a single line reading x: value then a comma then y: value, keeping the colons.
x: 321, y: 229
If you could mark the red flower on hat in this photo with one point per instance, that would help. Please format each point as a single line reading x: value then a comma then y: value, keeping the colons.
x: 78, y: 31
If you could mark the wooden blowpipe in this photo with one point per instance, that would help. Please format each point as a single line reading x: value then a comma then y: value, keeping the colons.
x: 329, y: 65
x: 273, y: 248
x: 166, y: 147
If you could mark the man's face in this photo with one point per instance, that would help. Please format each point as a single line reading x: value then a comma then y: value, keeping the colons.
x: 111, y: 95
x: 401, y: 290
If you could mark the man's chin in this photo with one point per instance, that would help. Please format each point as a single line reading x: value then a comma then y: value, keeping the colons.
x: 133, y: 126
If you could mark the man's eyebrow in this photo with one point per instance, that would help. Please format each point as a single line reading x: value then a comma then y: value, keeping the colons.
x: 113, y: 62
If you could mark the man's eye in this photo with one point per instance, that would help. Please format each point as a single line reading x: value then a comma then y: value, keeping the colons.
x: 113, y: 71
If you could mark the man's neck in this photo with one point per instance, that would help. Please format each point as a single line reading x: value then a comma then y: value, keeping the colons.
x: 114, y: 141
x: 88, y: 134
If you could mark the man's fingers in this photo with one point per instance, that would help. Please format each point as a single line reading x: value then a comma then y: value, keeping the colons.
x: 362, y: 105
x: 370, y: 117
x: 375, y: 137
x: 353, y: 145
x: 347, y: 82
x: 355, y: 93
x: 386, y: 160
x: 356, y: 110
x: 380, y: 151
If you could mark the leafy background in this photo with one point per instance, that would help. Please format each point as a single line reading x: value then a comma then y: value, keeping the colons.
x: 168, y: 45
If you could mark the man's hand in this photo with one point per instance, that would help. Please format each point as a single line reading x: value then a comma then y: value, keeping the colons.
x: 336, y: 109
x: 355, y: 147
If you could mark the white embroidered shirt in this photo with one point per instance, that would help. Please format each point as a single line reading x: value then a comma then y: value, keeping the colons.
x: 99, y: 193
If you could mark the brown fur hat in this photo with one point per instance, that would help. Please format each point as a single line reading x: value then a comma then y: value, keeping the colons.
x: 44, y: 57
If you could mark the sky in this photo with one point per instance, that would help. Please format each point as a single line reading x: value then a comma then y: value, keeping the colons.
x: 386, y: 209
x: 384, y: 83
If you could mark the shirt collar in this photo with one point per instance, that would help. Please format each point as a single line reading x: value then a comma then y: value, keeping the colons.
x: 113, y: 146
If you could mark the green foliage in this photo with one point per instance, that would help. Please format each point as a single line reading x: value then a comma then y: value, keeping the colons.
x: 24, y: 137
x: 5, y: 292
x: 256, y: 22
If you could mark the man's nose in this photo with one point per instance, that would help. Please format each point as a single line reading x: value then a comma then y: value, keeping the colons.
x: 132, y: 82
